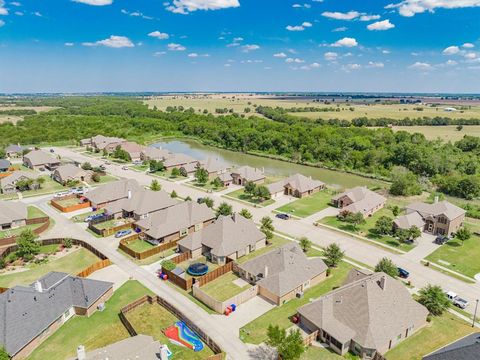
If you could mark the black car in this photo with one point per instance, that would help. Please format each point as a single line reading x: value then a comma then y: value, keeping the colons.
x: 283, y: 216
x: 403, y: 273
x: 441, y: 239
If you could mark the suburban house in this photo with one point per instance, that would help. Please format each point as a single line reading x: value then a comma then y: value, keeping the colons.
x: 8, y: 184
x: 371, y: 313
x: 283, y: 273
x: 229, y: 237
x: 226, y: 179
x: 359, y: 200
x: 69, y: 172
x: 40, y: 160
x: 214, y: 167
x: 12, y: 215
x: 296, y: 185
x: 140, y: 204
x: 133, y: 150
x: 467, y: 348
x: 245, y: 174
x: 4, y: 165
x: 440, y: 218
x: 121, y: 189
x: 174, y: 222
x: 140, y: 346
x: 31, y: 313
x: 14, y: 151
x: 153, y: 153
x: 101, y: 142
x: 178, y: 161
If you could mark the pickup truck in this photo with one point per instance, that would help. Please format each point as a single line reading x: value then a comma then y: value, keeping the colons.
x: 457, y: 300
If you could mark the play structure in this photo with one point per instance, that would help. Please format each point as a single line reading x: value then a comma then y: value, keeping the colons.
x: 181, y: 335
x: 197, y: 269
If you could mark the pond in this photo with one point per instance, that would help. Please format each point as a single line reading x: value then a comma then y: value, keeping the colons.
x: 271, y: 167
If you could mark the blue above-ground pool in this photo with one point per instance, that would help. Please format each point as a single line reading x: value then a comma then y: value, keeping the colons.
x: 197, y: 269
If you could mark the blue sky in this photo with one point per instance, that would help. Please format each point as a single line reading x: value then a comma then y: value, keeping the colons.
x: 240, y: 45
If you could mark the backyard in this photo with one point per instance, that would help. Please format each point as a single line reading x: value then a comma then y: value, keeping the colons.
x: 255, y: 332
x: 152, y: 320
x: 275, y: 242
x: 225, y: 287
x: 308, y: 205
x: 202, y: 259
x: 71, y: 263
x: 367, y: 229
x: 140, y: 245
x: 32, y: 213
x: 440, y: 332
x: 100, y: 329
x: 463, y: 258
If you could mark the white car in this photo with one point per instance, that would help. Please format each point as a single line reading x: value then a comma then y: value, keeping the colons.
x: 457, y: 300
x: 125, y: 168
x: 62, y: 193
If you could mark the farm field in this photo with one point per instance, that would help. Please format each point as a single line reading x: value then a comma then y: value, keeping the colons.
x: 446, y: 133
x: 15, y: 118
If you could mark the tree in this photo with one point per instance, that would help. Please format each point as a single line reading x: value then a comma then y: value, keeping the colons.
x: 201, y: 175
x: 224, y: 209
x: 86, y: 166
x: 405, y: 183
x: 27, y: 244
x: 384, y: 225
x: 156, y: 166
x: 463, y: 234
x: 250, y: 187
x: 262, y: 193
x: 68, y: 243
x: 245, y: 213
x: 434, y: 299
x: 155, y: 185
x: 267, y: 227
x: 3, y: 354
x: 395, y: 210
x: 217, y: 183
x: 403, y: 235
x: 387, y: 266
x: 289, y: 346
x: 173, y: 194
x: 305, y: 243
x: 96, y: 177
x: 355, y: 219
x: 333, y: 255
x: 414, y: 232
x: 40, y: 181
x: 175, y: 172
x: 207, y: 201
x: 188, y: 198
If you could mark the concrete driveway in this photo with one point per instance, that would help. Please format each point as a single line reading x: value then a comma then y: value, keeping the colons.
x: 113, y: 274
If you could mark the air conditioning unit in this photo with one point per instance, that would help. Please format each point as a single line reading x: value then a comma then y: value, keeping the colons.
x: 299, y: 295
x: 101, y: 306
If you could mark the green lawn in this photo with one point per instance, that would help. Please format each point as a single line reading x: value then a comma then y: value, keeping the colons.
x: 255, y: 332
x: 317, y: 353
x: 152, y: 320
x: 104, y: 179
x: 440, y: 332
x: 308, y: 205
x: 151, y: 259
x: 72, y: 264
x: 206, y: 187
x: 100, y: 329
x: 68, y: 202
x: 240, y: 195
x: 34, y: 212
x: 366, y: 229
x: 50, y: 186
x: 223, y: 287
x: 140, y: 245
x: 464, y: 259
x: 202, y: 259
x: 275, y: 242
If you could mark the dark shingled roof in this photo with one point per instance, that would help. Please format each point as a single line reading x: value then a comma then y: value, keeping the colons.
x: 25, y: 311
x: 467, y: 348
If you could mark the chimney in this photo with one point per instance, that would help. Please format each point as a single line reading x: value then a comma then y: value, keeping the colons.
x: 38, y: 286
x: 265, y: 272
x: 129, y: 196
x: 383, y: 282
x: 163, y: 352
x: 81, y: 355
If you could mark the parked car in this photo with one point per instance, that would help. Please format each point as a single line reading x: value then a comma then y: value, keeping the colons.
x: 52, y: 151
x: 123, y: 233
x: 404, y: 274
x: 124, y: 167
x: 283, y: 216
x: 79, y: 191
x: 93, y: 217
x: 441, y: 239
x: 62, y: 193
x: 107, y: 162
x: 456, y: 300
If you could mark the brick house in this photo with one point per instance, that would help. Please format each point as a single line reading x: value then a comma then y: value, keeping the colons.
x: 359, y: 200
x: 296, y: 185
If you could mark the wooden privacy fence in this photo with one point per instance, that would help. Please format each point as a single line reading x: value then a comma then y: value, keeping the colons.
x: 66, y: 209
x: 158, y: 301
x: 222, y: 270
x: 45, y: 221
x: 220, y: 306
x: 123, y: 245
x: 181, y: 282
x: 310, y: 338
x: 94, y: 267
x: 109, y: 231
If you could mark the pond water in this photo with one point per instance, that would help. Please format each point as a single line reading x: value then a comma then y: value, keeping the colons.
x: 271, y: 167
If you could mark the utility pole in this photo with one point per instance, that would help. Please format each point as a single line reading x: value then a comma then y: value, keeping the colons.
x: 475, y: 314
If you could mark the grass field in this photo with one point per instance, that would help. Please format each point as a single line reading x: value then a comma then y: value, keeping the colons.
x: 72, y: 264
x: 152, y: 319
x: 255, y: 332
x: 223, y: 287
x: 440, y: 332
x: 446, y: 133
x: 100, y: 329
x: 308, y: 205
x: 462, y: 258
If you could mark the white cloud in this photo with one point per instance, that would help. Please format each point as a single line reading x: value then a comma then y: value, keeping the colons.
x: 15, y: 3
x: 468, y: 45
x: 3, y: 10
x: 302, y: 27
x: 386, y: 52
x: 422, y: 66
x: 238, y: 39
x: 412, y: 7
x: 136, y: 14
x: 18, y: 13
x: 330, y: 56
x: 280, y: 55
x: 37, y: 13
x: 346, y: 42
x: 451, y: 63
x: 299, y: 6
x: 250, y: 47
x: 374, y: 64
x: 307, y: 24
x: 176, y: 47
x: 195, y: 55
x: 369, y: 17
x: 294, y: 60
x: 159, y: 35
x: 451, y: 50
x: 341, y: 16
x: 350, y: 67
x: 2, y: 23
x: 69, y: 44
x: 113, y: 41
x: 159, y: 53
x: 470, y: 55
x: 187, y: 6
x: 381, y: 25
x: 95, y: 2
x: 236, y: 42
x: 227, y: 65
x: 340, y: 29
x: 315, y: 65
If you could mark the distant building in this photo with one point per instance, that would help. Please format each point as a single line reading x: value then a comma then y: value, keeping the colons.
x: 12, y: 215
x: 4, y: 165
x: 100, y: 142
x: 133, y: 150
x: 154, y: 153
x: 179, y: 160
x: 14, y: 151
x: 8, y: 184
x: 40, y: 160
x: 359, y: 200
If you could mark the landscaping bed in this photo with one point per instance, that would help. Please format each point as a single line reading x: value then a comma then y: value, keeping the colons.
x: 308, y: 205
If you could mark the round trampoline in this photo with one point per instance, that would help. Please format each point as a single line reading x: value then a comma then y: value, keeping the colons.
x: 197, y: 269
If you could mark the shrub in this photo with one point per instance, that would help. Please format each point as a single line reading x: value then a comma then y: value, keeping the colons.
x: 169, y: 265
x: 68, y: 243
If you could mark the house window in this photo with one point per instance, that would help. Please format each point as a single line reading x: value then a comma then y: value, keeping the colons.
x: 183, y: 232
x: 198, y: 226
x: 399, y: 337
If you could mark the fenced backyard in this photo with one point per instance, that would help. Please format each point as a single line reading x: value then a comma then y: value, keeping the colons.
x: 139, y: 249
x: 108, y: 225
x: 70, y: 203
x: 30, y: 223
